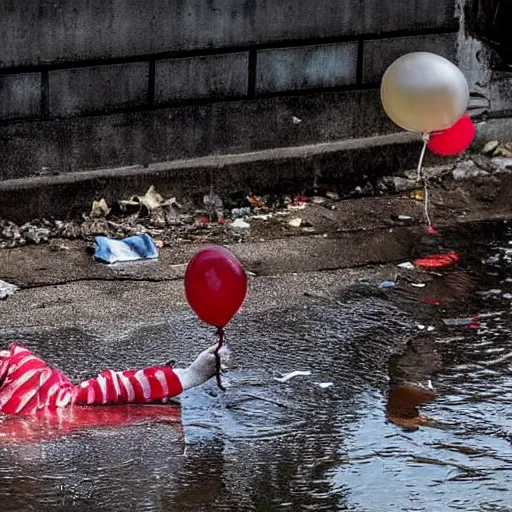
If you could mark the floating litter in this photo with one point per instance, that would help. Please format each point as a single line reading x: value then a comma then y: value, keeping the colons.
x: 288, y: 376
x: 325, y: 385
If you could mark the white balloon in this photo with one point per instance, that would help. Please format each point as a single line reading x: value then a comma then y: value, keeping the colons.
x: 424, y: 92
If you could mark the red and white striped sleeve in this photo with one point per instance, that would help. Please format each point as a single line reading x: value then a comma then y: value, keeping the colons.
x: 129, y: 387
x: 28, y: 384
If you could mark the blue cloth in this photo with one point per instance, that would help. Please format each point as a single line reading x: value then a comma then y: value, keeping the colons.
x: 138, y: 247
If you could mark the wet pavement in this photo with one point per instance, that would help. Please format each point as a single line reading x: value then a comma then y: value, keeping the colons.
x: 263, y: 445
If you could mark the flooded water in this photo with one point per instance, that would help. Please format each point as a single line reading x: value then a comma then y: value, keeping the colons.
x: 264, y: 445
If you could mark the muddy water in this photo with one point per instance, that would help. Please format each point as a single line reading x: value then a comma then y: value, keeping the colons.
x: 263, y: 445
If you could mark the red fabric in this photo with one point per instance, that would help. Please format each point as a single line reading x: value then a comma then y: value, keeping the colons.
x: 437, y: 260
x: 28, y: 385
x: 131, y: 386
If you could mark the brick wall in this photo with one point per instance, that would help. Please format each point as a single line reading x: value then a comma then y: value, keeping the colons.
x: 105, y: 83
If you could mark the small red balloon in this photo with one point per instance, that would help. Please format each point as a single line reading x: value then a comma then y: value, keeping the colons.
x: 455, y: 139
x: 215, y: 285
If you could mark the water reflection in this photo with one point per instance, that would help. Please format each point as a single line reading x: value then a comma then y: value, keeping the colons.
x: 410, y: 374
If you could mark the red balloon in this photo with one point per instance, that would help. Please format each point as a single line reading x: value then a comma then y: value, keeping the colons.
x: 215, y: 285
x: 455, y: 139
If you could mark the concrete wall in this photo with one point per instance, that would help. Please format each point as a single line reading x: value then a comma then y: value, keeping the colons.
x: 101, y: 83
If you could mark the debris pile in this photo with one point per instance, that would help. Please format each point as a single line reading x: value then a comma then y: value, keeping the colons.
x: 241, y: 217
x: 167, y: 220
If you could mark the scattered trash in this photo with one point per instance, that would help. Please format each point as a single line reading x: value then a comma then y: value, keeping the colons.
x: 490, y: 147
x: 418, y: 285
x: 299, y: 206
x: 240, y: 224
x: 151, y: 200
x: 7, y: 289
x: 437, y: 260
x: 36, y: 236
x: 287, y: 377
x: 407, y: 265
x: 133, y: 248
x: 240, y: 212
x: 418, y: 195
x: 387, y: 284
x: 99, y: 209
x: 325, y: 385
x: 164, y: 219
x: 296, y: 120
x: 431, y: 173
x: 255, y: 201
x: 398, y: 184
x: 301, y: 199
x: 214, y: 206
x: 497, y: 148
x: 429, y: 328
x: 468, y: 169
x: 401, y: 217
x: 507, y: 296
x: 333, y: 196
x: 296, y: 222
x: 501, y: 163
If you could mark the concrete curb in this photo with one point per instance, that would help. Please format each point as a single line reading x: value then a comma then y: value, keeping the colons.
x: 342, y: 164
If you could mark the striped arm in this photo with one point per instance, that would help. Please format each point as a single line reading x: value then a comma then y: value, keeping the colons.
x: 28, y: 384
x: 131, y: 386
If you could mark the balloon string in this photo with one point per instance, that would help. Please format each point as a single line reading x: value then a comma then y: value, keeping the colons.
x: 220, y: 334
x: 421, y: 176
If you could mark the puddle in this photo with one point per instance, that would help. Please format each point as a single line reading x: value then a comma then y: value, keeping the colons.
x: 265, y: 445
